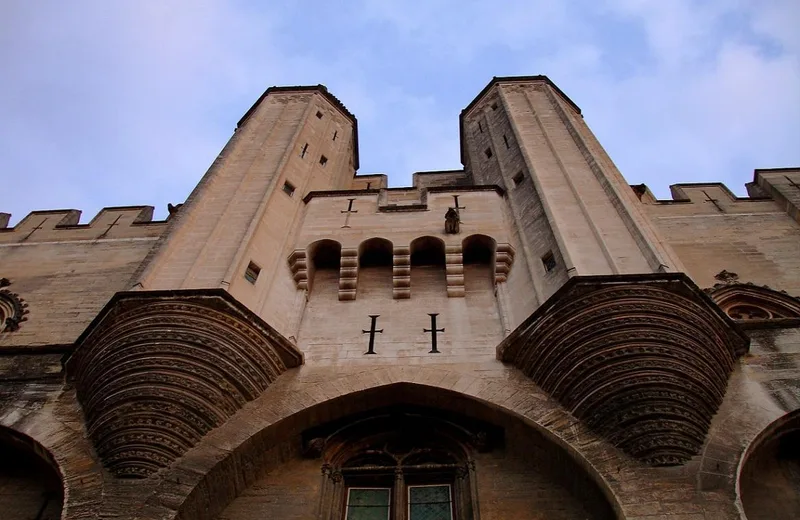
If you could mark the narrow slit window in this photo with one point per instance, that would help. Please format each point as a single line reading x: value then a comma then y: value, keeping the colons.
x: 251, y: 273
x: 488, y: 153
x: 288, y: 188
x: 323, y: 160
x: 319, y: 114
x: 518, y: 178
x: 480, y: 127
x: 549, y: 261
x: 304, y: 150
x: 505, y: 140
x: 335, y: 133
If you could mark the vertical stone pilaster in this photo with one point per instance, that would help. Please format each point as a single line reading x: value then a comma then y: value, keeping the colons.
x: 401, y: 273
x: 348, y: 274
x: 298, y: 263
x: 454, y: 270
x: 504, y: 258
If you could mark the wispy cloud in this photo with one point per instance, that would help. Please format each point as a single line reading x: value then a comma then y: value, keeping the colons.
x: 128, y: 102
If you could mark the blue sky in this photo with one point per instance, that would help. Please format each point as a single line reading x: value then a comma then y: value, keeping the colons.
x: 128, y: 102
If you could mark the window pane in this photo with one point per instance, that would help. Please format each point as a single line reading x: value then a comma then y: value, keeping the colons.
x: 368, y: 504
x: 429, y: 503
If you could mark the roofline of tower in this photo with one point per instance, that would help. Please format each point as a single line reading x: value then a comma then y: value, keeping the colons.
x: 506, y: 79
x: 322, y: 89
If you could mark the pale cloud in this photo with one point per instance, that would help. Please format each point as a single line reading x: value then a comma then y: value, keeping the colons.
x: 128, y: 102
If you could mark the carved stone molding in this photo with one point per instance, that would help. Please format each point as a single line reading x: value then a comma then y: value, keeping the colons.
x: 155, y: 371
x: 504, y: 259
x: 298, y: 263
x: 753, y: 305
x: 643, y: 359
x: 13, y: 309
x: 454, y: 271
x: 401, y: 273
x: 348, y: 274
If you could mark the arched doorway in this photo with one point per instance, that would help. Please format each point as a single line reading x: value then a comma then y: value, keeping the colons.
x: 30, y: 485
x: 769, y: 479
x: 403, y: 445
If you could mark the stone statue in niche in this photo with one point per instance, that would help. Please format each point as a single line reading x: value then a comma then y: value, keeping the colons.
x: 452, y: 224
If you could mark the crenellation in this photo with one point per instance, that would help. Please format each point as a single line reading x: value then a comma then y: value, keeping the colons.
x: 63, y: 225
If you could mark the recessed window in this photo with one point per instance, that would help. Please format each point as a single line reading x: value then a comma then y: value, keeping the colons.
x: 319, y: 114
x: 288, y: 188
x: 323, y: 160
x: 304, y: 150
x: 549, y: 261
x: 368, y: 503
x: 335, y: 133
x: 494, y: 106
x: 505, y: 140
x: 251, y: 273
x: 488, y: 153
x: 518, y: 178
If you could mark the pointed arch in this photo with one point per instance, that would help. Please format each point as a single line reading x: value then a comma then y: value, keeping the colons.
x: 260, y: 443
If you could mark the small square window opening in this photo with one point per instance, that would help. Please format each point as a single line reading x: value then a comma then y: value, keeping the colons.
x: 323, y: 160
x: 518, y: 178
x: 549, y: 261
x: 319, y: 114
x: 494, y: 106
x: 251, y: 273
x: 488, y: 153
x: 288, y: 188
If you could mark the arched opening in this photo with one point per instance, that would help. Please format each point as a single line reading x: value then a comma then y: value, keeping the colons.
x: 394, y: 437
x: 30, y: 485
x: 428, y: 266
x: 478, y: 251
x: 375, y: 268
x: 769, y: 480
x: 323, y: 269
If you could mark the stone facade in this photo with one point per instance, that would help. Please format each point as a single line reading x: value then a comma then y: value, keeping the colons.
x: 529, y: 337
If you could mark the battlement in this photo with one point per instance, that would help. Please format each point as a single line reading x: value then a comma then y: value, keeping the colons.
x: 771, y: 190
x: 63, y: 224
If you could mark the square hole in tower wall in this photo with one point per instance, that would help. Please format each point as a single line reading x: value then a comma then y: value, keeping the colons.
x: 319, y: 114
x: 251, y: 273
x: 549, y: 261
x: 488, y: 153
x: 288, y: 188
x: 323, y: 160
x: 518, y: 178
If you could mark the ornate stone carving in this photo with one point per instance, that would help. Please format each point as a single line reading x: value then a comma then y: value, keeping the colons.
x: 157, y: 370
x: 13, y: 309
x: 643, y: 359
x: 725, y: 276
x: 452, y: 222
x: 747, y: 303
